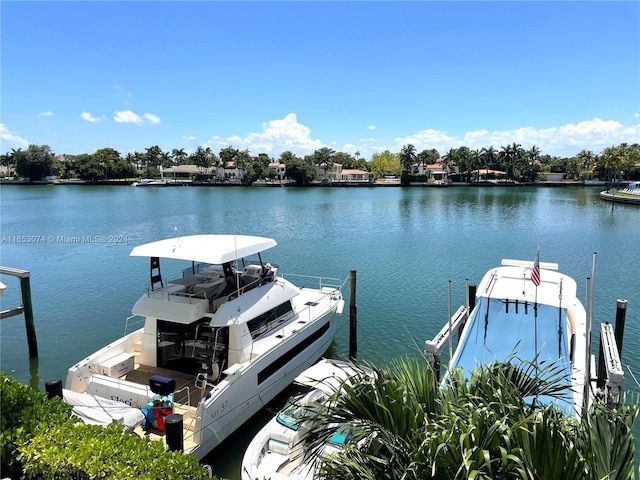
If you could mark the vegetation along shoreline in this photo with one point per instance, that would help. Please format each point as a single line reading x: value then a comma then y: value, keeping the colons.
x: 511, y: 165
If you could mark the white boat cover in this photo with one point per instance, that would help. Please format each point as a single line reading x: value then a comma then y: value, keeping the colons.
x: 327, y: 375
x: 96, y: 410
x: 214, y: 249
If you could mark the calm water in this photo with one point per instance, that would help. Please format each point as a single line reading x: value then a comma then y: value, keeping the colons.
x: 405, y: 244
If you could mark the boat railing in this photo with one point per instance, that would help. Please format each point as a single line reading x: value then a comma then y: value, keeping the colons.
x: 134, y: 322
x: 433, y: 348
x: 317, y: 282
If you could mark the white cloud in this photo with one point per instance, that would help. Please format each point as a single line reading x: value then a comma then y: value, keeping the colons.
x: 151, y: 118
x: 90, y: 118
x: 11, y: 140
x: 46, y: 114
x: 277, y: 136
x: 120, y: 91
x: 371, y: 127
x: 636, y: 115
x: 565, y: 140
x: 127, y: 116
x: 188, y: 137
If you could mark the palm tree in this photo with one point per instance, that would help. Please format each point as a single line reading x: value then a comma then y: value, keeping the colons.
x: 407, y: 157
x: 405, y: 426
x: 534, y: 156
x: 585, y: 159
x: 489, y: 157
x: 179, y: 155
x: 324, y: 158
x: 517, y: 165
x: 612, y: 160
x: 450, y: 158
x: 476, y: 156
x: 506, y: 160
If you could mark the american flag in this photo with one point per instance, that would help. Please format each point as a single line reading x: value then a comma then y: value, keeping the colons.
x: 535, y: 271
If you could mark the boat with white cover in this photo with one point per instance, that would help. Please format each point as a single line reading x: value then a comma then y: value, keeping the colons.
x: 529, y: 311
x: 217, y: 342
x: 277, y: 451
x: 150, y: 182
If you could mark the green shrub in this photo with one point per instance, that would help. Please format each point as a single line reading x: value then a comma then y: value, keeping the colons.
x: 24, y: 412
x: 79, y: 451
x: 40, y: 439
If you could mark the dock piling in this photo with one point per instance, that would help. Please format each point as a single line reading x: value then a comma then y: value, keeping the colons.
x: 173, y: 428
x: 621, y: 313
x: 25, y: 308
x: 53, y: 388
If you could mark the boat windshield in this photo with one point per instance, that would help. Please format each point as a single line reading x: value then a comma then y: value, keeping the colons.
x: 341, y: 436
x: 293, y: 411
x: 298, y: 407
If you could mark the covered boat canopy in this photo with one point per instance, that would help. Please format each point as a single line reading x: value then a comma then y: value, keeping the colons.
x: 497, y: 331
x: 214, y: 249
x: 328, y: 375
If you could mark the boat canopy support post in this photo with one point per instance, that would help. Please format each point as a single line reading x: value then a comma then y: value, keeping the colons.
x: 26, y: 307
x: 154, y: 273
x: 433, y: 348
x: 353, y: 317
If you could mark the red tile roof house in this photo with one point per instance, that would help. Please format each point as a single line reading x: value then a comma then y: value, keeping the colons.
x: 335, y: 174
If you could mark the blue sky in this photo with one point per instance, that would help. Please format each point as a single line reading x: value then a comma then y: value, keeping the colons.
x: 300, y: 75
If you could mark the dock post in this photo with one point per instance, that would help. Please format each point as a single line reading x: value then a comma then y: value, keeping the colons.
x: 26, y: 307
x: 621, y: 313
x: 471, y: 294
x: 53, y: 388
x: 32, y: 341
x: 173, y: 429
x: 353, y: 317
x: 471, y: 302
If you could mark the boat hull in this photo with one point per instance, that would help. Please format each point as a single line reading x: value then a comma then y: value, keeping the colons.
x: 224, y: 412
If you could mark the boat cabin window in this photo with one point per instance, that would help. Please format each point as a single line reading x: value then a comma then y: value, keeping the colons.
x: 193, y: 348
x: 270, y: 320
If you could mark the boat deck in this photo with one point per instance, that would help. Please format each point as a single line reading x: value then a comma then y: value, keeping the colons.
x: 498, y: 330
x: 189, y: 396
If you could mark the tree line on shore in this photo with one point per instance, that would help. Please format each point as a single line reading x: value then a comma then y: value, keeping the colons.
x: 462, y: 164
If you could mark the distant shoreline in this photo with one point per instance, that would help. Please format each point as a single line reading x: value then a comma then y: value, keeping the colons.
x: 179, y: 183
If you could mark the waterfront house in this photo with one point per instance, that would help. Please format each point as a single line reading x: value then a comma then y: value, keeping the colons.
x: 336, y: 174
x: 230, y: 172
x: 184, y: 172
x: 279, y: 168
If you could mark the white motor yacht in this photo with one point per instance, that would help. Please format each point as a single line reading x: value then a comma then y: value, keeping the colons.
x: 216, y: 343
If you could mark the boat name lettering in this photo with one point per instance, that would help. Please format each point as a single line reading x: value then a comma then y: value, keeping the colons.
x: 221, y: 408
x: 116, y: 398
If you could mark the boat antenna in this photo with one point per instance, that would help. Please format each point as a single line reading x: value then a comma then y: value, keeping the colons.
x: 177, y: 237
x: 560, y: 320
x: 235, y: 244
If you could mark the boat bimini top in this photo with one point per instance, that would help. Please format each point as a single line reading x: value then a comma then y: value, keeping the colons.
x: 213, y: 249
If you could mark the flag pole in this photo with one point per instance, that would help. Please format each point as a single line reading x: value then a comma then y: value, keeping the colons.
x: 535, y: 278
